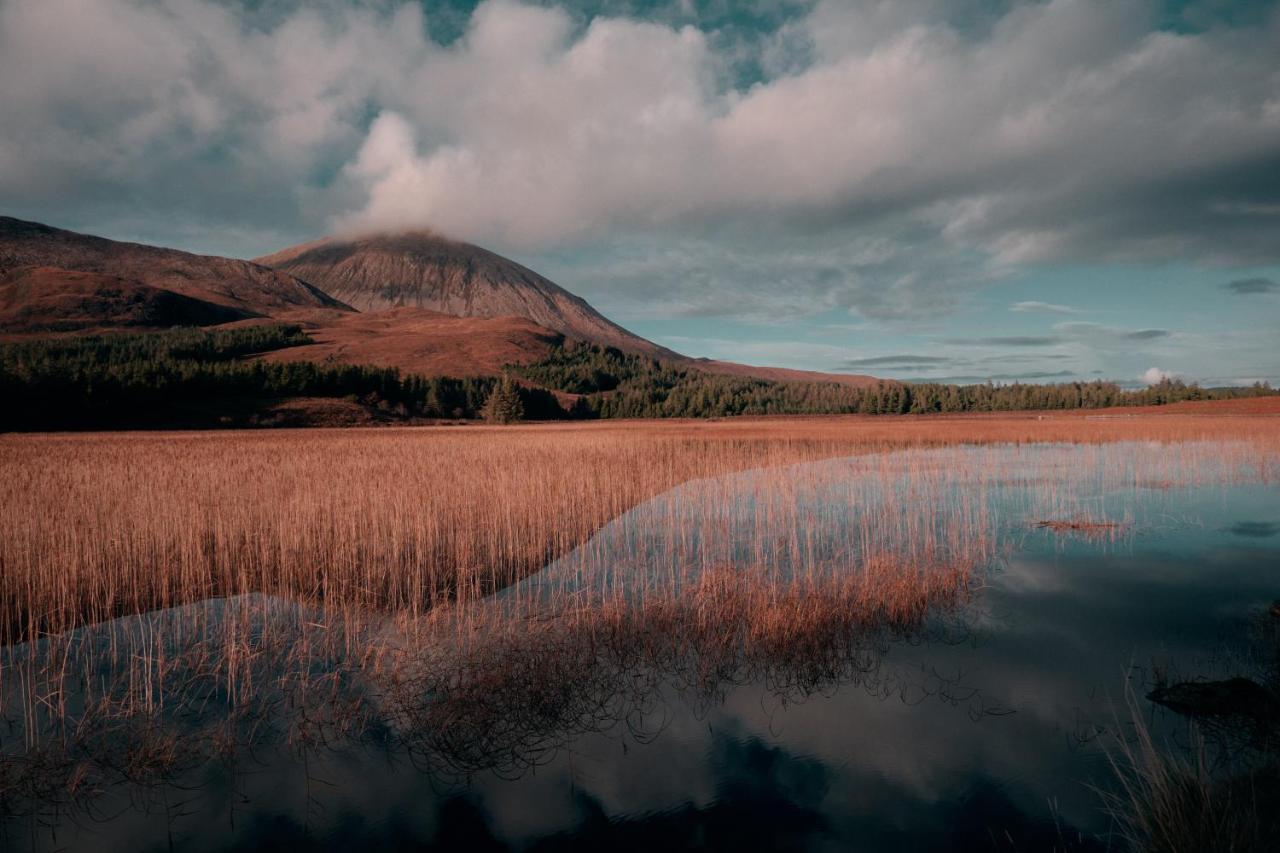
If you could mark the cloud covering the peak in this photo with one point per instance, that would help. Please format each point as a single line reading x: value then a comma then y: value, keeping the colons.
x: 1057, y: 130
x: 1063, y: 131
x: 762, y: 162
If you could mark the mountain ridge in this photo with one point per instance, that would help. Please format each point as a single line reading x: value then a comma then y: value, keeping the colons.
x: 42, y: 299
x: 429, y: 303
x: 230, y: 282
x: 422, y: 269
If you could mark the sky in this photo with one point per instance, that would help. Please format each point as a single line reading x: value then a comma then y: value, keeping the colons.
x: 960, y: 190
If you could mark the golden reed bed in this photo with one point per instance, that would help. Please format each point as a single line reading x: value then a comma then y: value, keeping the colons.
x: 98, y: 525
x: 375, y: 549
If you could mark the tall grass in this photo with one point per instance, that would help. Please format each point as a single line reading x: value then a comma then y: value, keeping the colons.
x: 352, y: 574
x: 99, y: 526
x: 1205, y: 797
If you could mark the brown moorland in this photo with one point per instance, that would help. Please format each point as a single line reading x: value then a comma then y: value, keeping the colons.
x: 432, y: 305
x: 422, y: 269
x: 48, y: 299
x: 782, y: 374
x: 237, y: 284
x: 416, y: 340
x: 404, y: 518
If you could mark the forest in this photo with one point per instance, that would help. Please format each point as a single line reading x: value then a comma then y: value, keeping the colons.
x: 208, y: 378
x: 631, y: 386
x: 198, y: 378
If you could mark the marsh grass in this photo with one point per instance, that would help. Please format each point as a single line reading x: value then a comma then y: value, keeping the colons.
x: 1206, y: 795
x: 105, y: 525
x: 142, y: 703
x: 179, y: 599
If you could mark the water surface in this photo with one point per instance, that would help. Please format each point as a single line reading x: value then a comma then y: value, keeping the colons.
x: 986, y: 728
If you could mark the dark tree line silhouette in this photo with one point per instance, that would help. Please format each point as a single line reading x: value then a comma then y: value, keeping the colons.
x: 621, y: 385
x: 197, y: 378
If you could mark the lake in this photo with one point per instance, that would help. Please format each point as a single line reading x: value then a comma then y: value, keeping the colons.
x: 987, y: 717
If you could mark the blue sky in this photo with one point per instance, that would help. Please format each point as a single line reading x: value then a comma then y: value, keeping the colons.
x: 922, y: 189
x: 1042, y: 325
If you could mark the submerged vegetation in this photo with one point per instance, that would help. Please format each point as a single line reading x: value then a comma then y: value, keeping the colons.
x: 199, y: 378
x: 147, y: 709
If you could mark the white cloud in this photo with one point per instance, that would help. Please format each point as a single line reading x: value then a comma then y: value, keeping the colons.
x: 1154, y: 376
x: 1043, y: 308
x: 1054, y: 131
x: 185, y: 110
x: 1046, y: 138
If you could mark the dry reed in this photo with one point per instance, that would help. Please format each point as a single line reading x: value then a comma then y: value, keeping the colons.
x: 1199, y: 798
x: 322, y: 586
x: 96, y: 526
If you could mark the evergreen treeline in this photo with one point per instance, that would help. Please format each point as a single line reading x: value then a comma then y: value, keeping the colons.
x: 198, y: 378
x: 202, y: 378
x: 631, y: 386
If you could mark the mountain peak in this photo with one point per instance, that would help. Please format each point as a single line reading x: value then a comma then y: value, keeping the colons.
x: 423, y: 269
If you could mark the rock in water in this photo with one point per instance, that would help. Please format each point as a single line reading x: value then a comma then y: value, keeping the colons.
x: 1233, y: 697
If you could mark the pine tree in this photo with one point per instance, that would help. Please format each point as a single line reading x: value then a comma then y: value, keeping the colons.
x: 504, y: 405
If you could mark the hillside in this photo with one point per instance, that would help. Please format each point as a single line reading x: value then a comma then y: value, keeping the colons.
x: 241, y: 285
x: 781, y: 374
x: 427, y: 305
x: 49, y: 299
x: 420, y: 269
x: 418, y: 341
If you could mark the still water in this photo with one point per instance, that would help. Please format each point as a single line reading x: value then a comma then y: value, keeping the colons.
x: 988, y: 728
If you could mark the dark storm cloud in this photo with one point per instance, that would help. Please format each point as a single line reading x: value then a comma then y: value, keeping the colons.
x: 1248, y: 286
x: 974, y: 378
x: 895, y: 361
x: 1098, y: 334
x: 1255, y: 529
x: 1009, y: 341
x: 1146, y: 334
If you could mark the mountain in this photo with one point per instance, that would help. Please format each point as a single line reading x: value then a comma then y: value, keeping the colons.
x: 419, y: 341
x: 420, y: 269
x: 426, y: 304
x: 51, y: 299
x: 241, y: 285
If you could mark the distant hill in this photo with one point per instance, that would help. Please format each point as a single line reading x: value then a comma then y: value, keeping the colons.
x: 420, y: 269
x: 50, y: 299
x: 781, y: 374
x: 415, y: 301
x: 242, y: 285
x: 419, y: 341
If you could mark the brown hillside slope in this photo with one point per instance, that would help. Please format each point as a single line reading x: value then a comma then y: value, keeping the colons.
x: 242, y: 285
x: 61, y: 281
x: 419, y: 341
x: 420, y: 269
x: 782, y: 374
x: 416, y: 340
x: 49, y: 299
x: 424, y: 270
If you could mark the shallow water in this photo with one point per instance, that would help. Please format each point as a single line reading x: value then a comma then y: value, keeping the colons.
x: 985, y: 730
